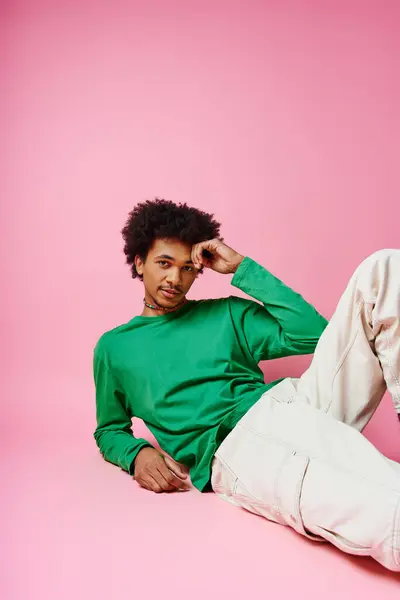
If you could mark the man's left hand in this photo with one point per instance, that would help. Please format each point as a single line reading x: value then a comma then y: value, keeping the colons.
x: 223, y: 260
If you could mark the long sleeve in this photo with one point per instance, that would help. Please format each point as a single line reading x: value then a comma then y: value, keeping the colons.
x: 113, y: 433
x: 285, y: 325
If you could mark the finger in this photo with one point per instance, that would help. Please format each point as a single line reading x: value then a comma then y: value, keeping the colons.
x: 145, y: 486
x: 147, y: 480
x: 201, y: 257
x: 180, y: 471
x: 175, y: 468
x: 199, y: 253
x: 207, y: 251
x: 171, y: 480
x: 195, y: 256
x: 207, y: 262
x: 152, y: 482
x: 153, y: 474
x: 142, y: 483
x: 166, y: 479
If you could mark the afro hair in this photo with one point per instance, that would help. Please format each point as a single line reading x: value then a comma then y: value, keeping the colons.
x: 163, y: 219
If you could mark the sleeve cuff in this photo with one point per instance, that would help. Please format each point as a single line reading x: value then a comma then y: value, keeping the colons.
x: 240, y: 271
x: 144, y: 444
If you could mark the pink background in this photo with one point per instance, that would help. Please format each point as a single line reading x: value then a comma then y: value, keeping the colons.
x: 280, y: 117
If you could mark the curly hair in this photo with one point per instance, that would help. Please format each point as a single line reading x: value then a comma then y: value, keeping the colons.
x: 159, y: 218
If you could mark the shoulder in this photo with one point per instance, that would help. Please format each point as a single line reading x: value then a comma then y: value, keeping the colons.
x: 210, y: 302
x: 230, y: 303
x: 106, y: 342
x: 212, y: 305
x: 238, y: 303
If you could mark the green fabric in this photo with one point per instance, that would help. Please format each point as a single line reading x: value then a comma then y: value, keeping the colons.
x: 190, y: 375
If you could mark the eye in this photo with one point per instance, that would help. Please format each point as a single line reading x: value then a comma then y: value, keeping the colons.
x: 163, y: 263
x: 189, y: 269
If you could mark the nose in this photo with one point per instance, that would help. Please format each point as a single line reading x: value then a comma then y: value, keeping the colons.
x: 174, y: 276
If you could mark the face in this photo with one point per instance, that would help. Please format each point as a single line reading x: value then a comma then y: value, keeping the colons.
x: 168, y: 272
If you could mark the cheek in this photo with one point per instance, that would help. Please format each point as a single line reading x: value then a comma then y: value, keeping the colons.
x: 151, y: 278
x: 189, y: 279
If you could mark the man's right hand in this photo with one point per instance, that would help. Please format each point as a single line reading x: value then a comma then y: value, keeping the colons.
x: 158, y: 473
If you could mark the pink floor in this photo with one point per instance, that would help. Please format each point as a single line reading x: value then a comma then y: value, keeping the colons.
x: 282, y: 118
x: 78, y: 527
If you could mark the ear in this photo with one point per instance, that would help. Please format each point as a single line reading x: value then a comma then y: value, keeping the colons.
x: 139, y: 264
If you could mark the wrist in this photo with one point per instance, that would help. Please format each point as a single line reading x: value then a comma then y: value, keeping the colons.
x: 147, y: 447
x: 237, y: 263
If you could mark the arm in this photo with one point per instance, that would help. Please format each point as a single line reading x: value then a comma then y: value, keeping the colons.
x: 151, y: 469
x: 113, y: 433
x: 285, y: 325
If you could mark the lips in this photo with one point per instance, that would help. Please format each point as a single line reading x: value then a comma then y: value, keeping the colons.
x: 169, y: 293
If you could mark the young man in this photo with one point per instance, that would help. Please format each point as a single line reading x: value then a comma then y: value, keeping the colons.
x: 290, y: 450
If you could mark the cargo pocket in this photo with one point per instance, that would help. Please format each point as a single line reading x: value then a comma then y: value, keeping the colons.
x: 330, y: 507
x: 290, y: 490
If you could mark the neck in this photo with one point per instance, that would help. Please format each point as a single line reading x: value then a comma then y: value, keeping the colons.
x: 152, y: 309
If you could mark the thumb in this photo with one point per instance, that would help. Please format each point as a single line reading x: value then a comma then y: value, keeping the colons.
x: 175, y: 468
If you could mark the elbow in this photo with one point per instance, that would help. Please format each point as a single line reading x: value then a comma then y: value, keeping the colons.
x: 100, y: 438
x: 306, y: 344
x: 311, y: 339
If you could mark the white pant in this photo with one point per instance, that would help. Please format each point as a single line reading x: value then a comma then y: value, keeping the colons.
x: 297, y: 457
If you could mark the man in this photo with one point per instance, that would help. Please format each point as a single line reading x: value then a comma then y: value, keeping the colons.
x: 290, y: 450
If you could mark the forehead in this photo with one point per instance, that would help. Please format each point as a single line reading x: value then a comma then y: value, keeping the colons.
x: 174, y: 248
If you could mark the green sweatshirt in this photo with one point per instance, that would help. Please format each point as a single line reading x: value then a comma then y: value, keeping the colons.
x: 190, y: 375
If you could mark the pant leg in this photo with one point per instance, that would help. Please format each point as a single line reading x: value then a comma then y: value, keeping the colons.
x: 297, y: 465
x: 293, y: 457
x: 358, y: 355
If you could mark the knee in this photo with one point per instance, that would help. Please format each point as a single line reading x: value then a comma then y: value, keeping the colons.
x: 377, y: 268
x: 382, y: 257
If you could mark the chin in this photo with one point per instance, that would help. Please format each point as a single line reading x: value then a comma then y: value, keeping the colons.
x: 162, y: 301
x: 168, y: 302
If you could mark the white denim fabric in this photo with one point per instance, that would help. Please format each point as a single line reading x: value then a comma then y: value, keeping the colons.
x: 298, y: 456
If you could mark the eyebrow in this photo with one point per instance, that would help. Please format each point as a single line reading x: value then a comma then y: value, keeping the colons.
x: 171, y: 258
